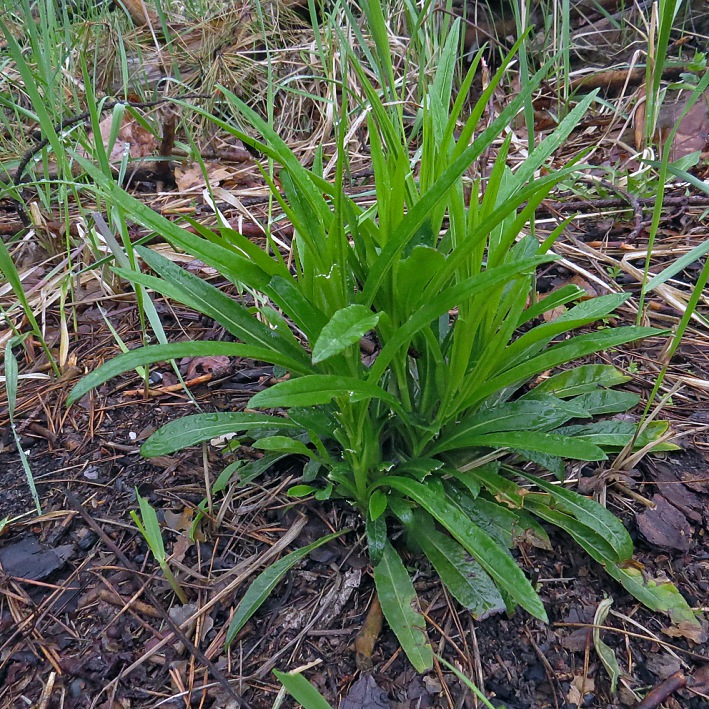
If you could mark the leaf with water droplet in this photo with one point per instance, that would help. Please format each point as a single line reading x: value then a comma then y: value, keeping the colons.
x: 345, y: 328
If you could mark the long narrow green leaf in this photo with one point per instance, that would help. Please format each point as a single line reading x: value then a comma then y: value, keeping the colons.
x: 231, y: 241
x: 193, y: 291
x: 383, y: 56
x: 462, y: 575
x: 7, y: 268
x: 317, y: 389
x: 128, y: 361
x: 553, y: 141
x: 31, y: 88
x: 397, y: 598
x: 11, y: 378
x: 606, y: 653
x: 301, y: 690
x: 142, y: 214
x: 419, y: 213
x: 310, y: 188
x: 579, y: 380
x: 496, y: 562
x: 190, y: 430
x: 532, y: 195
x: 241, y: 265
x: 582, y: 314
x: 590, y: 513
x: 593, y: 543
x: 538, y: 415
x: 486, y: 702
x: 679, y: 265
x: 606, y: 401
x: 266, y: 581
x: 441, y: 304
x: 500, y: 522
x: 658, y: 596
x: 564, y: 295
x: 289, y: 296
x: 552, y: 443
x: 206, y: 299
x: 502, y: 489
x: 612, y: 435
x: 568, y: 351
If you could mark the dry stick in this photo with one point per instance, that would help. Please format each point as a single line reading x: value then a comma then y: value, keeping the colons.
x: 630, y: 634
x: 575, y: 205
x: 663, y: 691
x: 191, y: 647
x: 167, y: 144
x: 615, y: 78
x: 445, y: 635
x: 631, y: 199
x: 18, y: 595
x: 325, y: 603
x: 476, y: 659
x: 47, y: 691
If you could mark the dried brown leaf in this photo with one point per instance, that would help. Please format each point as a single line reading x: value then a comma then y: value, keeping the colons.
x: 368, y: 635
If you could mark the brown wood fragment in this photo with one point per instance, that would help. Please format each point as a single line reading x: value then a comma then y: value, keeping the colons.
x: 660, y: 693
x: 140, y: 607
x: 665, y: 526
x: 171, y: 389
x: 367, y: 637
x: 140, y: 13
x: 163, y: 168
x: 615, y: 79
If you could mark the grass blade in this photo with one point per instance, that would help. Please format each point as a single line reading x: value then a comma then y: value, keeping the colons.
x: 467, y: 682
x: 11, y: 378
x: 7, y: 268
x: 262, y: 586
x: 301, y: 690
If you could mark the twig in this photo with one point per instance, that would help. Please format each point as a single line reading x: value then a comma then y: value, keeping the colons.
x: 47, y: 691
x: 576, y: 205
x: 630, y: 634
x: 630, y: 198
x: 656, y: 696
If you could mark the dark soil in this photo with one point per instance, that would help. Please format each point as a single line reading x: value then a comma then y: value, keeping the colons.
x: 79, y: 627
x: 72, y: 614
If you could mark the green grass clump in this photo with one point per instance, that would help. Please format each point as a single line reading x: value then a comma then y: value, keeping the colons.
x: 440, y: 277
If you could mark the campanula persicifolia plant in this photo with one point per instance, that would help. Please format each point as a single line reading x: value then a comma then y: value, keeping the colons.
x: 439, y: 276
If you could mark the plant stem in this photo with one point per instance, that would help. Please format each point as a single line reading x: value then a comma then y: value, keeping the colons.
x: 170, y: 577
